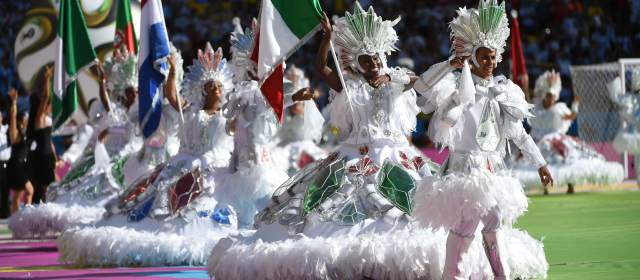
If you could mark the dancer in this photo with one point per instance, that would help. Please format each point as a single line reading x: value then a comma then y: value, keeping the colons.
x: 163, y: 218
x: 628, y: 136
x: 43, y: 159
x: 570, y: 161
x: 18, y: 172
x: 302, y: 129
x: 476, y: 113
x: 81, y: 196
x: 253, y: 173
x: 5, y: 155
x: 347, y: 216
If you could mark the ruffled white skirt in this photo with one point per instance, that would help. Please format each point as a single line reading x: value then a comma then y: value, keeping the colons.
x: 371, y: 249
x: 591, y: 172
x: 148, y: 243
x: 570, y: 161
x: 79, y: 204
x: 447, y: 200
x: 248, y: 190
x: 181, y: 237
x: 50, y: 219
x: 627, y: 142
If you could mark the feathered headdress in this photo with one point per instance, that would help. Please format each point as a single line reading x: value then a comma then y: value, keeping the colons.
x: 242, y: 43
x: 209, y: 66
x: 122, y: 71
x: 548, y: 82
x: 364, y: 33
x: 486, y: 26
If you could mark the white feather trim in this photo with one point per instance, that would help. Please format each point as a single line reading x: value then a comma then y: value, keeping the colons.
x: 443, y: 202
x: 50, y: 219
x: 121, y: 246
x: 397, y: 254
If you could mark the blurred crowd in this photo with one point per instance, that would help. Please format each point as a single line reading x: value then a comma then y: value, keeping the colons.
x: 555, y: 33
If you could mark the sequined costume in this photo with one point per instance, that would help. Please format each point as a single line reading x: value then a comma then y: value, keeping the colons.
x: 347, y: 216
x: 628, y: 137
x: 475, y: 118
x: 571, y: 161
x: 169, y: 216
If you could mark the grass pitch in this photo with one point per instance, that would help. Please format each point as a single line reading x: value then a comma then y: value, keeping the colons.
x: 588, y: 235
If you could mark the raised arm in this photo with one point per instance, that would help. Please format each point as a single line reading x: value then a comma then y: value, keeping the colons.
x: 13, y: 112
x: 104, y: 94
x: 436, y: 72
x: 170, y: 90
x: 41, y: 114
x: 321, y: 67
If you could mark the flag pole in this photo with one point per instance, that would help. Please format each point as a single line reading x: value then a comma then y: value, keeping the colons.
x: 344, y: 86
x: 180, y: 107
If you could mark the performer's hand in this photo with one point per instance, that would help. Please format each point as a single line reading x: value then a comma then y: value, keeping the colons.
x: 325, y: 23
x: 13, y: 95
x: 458, y: 62
x: 302, y: 95
x: 99, y: 68
x: 545, y: 176
x: 48, y: 73
x: 380, y: 80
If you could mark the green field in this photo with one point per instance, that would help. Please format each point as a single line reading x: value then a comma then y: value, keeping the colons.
x: 588, y: 235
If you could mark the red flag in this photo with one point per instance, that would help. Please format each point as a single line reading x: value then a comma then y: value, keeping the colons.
x: 272, y: 91
x: 272, y: 86
x: 125, y: 33
x: 518, y: 67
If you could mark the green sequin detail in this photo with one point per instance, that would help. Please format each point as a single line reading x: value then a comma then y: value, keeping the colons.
x: 326, y: 182
x: 397, y: 186
x: 117, y: 170
x: 78, y: 171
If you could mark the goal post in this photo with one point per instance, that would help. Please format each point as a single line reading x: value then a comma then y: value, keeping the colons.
x: 598, y: 119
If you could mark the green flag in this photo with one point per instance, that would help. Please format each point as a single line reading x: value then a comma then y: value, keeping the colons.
x: 74, y: 53
x: 125, y: 33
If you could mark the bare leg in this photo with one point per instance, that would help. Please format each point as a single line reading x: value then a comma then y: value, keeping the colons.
x: 28, y: 188
x: 15, y: 202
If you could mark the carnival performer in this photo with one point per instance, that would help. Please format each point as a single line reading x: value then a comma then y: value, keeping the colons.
x: 253, y: 174
x: 347, y: 216
x: 18, y: 173
x: 570, y: 161
x: 301, y: 132
x: 628, y: 136
x: 82, y: 194
x: 169, y: 217
x: 475, y: 115
x: 42, y: 159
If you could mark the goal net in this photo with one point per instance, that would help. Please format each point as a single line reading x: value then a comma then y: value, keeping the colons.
x: 598, y: 120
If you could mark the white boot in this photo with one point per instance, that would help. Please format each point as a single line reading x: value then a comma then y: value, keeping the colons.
x: 457, y: 246
x: 492, y: 249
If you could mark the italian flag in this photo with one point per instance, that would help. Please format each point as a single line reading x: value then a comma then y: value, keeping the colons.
x: 74, y: 54
x: 125, y: 33
x: 285, y: 25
